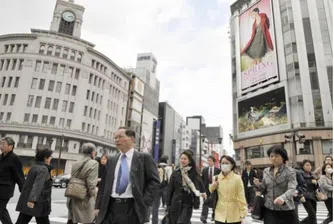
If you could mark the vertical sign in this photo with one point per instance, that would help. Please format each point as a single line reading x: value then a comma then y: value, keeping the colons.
x: 156, y: 141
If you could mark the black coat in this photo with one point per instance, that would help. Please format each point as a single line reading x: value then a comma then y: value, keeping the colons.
x: 11, y: 173
x: 145, y: 183
x: 176, y: 196
x: 245, y: 177
x: 205, y: 177
x: 37, y: 188
x: 310, y: 187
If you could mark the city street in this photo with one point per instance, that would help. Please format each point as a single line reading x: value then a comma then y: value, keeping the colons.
x: 59, y: 209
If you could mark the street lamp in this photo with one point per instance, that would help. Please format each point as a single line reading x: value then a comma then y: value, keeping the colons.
x: 59, y: 155
x: 293, y: 137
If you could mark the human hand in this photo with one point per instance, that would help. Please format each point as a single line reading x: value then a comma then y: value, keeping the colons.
x: 204, y: 196
x: 215, y: 184
x: 278, y: 201
x: 314, y: 182
x: 96, y: 212
x: 30, y: 204
x: 302, y: 199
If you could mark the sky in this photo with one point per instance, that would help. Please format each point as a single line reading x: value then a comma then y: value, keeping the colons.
x: 190, y: 39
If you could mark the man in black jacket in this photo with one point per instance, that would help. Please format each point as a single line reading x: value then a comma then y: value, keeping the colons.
x: 248, y: 176
x: 11, y: 173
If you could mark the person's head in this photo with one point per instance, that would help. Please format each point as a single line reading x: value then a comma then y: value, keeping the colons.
x: 227, y: 164
x: 104, y: 160
x: 328, y: 160
x: 327, y: 169
x: 211, y: 161
x: 186, y: 159
x: 278, y: 155
x: 255, y: 12
x: 44, y: 155
x: 7, y: 144
x: 89, y: 149
x: 125, y: 139
x: 248, y: 165
x: 307, y: 165
x: 163, y: 159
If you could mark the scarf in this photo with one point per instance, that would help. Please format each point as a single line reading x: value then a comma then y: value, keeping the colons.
x: 187, y: 184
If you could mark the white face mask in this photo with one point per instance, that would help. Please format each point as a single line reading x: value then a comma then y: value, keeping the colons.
x: 329, y: 170
x: 226, y: 168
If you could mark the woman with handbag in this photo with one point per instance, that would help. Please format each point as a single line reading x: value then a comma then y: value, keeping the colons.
x: 326, y: 184
x: 278, y: 187
x: 184, y: 190
x: 231, y: 206
x: 81, y: 207
x: 35, y: 199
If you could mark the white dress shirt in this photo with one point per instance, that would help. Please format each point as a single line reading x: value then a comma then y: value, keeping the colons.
x: 128, y: 191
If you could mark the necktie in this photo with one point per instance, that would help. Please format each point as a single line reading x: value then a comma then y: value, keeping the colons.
x: 123, y: 176
x: 210, y: 175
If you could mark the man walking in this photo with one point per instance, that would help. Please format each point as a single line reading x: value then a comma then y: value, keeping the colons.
x: 248, y: 176
x: 129, y: 184
x: 11, y: 173
x: 208, y: 174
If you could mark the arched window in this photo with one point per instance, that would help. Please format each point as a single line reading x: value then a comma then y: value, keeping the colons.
x: 79, y: 58
x: 65, y: 53
x: 72, y: 55
x: 50, y: 49
x: 66, y: 27
x: 42, y: 49
x: 58, y: 50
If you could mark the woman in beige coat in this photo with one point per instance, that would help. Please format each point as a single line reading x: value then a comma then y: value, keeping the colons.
x: 82, y: 211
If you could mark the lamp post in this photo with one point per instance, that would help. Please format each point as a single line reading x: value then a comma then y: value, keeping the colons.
x: 293, y: 137
x: 59, y: 155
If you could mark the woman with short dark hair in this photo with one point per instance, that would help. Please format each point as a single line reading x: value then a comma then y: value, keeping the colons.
x: 278, y: 186
x: 35, y: 199
x: 326, y: 184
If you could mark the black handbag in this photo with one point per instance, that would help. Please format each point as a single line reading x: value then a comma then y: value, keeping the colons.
x: 258, y: 209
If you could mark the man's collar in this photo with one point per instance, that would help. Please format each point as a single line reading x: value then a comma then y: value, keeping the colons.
x: 129, y: 153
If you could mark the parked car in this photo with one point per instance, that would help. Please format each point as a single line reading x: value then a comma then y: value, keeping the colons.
x: 61, y: 180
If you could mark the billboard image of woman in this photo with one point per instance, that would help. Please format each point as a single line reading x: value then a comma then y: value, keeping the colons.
x: 257, y: 51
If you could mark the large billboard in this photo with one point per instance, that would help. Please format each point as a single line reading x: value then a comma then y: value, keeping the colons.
x: 258, y: 61
x: 262, y: 111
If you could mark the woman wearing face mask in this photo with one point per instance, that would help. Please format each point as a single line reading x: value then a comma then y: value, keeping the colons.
x: 308, y: 199
x: 326, y: 184
x: 35, y: 199
x: 184, y: 190
x: 231, y: 206
x: 278, y: 186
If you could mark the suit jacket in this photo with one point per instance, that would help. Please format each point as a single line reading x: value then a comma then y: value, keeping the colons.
x: 145, y: 183
x: 245, y: 177
x: 205, y: 177
x: 11, y: 173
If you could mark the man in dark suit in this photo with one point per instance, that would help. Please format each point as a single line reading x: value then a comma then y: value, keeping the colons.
x: 11, y: 173
x: 208, y: 174
x: 248, y: 176
x: 128, y: 185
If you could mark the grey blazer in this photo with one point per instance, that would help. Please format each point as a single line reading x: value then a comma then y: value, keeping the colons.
x: 283, y: 186
x: 326, y: 185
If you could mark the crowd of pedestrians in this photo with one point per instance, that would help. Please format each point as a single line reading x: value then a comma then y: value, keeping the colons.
x: 130, y: 187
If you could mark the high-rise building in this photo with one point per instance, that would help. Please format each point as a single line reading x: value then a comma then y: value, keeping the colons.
x: 57, y: 91
x: 282, y: 68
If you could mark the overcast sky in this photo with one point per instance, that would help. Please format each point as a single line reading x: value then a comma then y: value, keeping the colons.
x: 189, y: 38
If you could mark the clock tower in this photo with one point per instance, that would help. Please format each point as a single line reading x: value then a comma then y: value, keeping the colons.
x: 67, y: 18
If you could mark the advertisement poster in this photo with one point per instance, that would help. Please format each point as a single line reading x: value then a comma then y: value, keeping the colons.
x: 258, y: 62
x: 262, y: 111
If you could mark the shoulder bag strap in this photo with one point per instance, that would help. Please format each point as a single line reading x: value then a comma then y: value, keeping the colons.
x: 81, y: 167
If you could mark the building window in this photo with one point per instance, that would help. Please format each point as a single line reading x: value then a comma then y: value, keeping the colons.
x: 46, y: 67
x: 61, y: 70
x: 30, y: 100
x: 79, y: 58
x: 90, y: 112
x: 2, y: 62
x: 25, y: 47
x: 9, y: 116
x: 71, y: 107
x: 65, y: 53
x: 90, y: 78
x: 57, y: 54
x: 34, y: 83
x: 66, y: 27
x: 12, y: 100
x: 5, y: 100
x: 1, y: 115
x: 19, y: 48
x: 72, y: 57
x: 54, y: 68
x: 50, y: 49
x: 38, y: 102
x: 87, y: 95
x: 306, y: 148
x: 83, y: 125
x: 44, y: 120
x: 51, y: 85
x: 17, y: 80
x: 26, y: 117
x: 52, y: 120
x: 14, y: 64
x: 21, y: 64
x: 3, y: 81
x: 77, y: 73
x: 95, y: 80
x: 327, y: 146
x: 7, y: 64
x: 74, y: 90
x: 47, y: 103
x: 58, y: 87
x: 70, y: 71
x: 61, y: 122
x: 55, y: 104
x: 38, y: 66
x: 67, y: 89
x: 10, y: 81
x: 34, y: 118
x: 69, y: 122
x: 64, y: 106
x: 85, y: 111
x: 41, y: 84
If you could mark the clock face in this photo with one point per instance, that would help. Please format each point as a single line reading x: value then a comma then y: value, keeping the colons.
x: 68, y: 16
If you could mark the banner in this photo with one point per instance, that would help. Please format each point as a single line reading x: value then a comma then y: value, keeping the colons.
x: 258, y: 62
x: 156, y: 141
